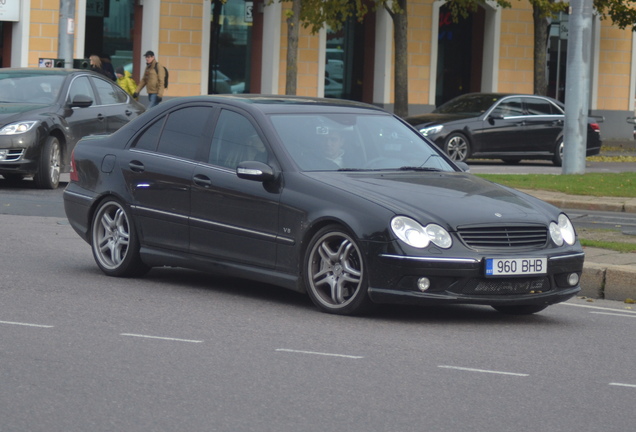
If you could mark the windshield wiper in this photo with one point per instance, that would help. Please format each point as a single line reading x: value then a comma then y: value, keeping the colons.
x: 420, y: 168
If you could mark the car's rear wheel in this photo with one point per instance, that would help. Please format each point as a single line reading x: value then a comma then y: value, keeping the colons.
x: 520, y: 310
x: 558, y: 153
x: 335, y: 273
x: 114, y: 241
x: 457, y: 147
x: 48, y: 174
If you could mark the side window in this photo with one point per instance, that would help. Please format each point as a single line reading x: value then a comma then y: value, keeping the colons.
x: 81, y: 86
x: 184, y: 131
x: 509, y: 108
x: 235, y: 140
x: 109, y: 93
x: 150, y: 137
x: 540, y: 107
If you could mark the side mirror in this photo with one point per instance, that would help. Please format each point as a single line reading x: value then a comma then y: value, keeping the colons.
x: 81, y: 101
x: 256, y: 171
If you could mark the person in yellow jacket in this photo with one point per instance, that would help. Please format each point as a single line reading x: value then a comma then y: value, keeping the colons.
x: 126, y: 81
x: 153, y: 79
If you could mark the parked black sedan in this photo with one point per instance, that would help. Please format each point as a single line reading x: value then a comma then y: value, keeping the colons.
x: 511, y: 127
x: 339, y: 199
x: 44, y: 112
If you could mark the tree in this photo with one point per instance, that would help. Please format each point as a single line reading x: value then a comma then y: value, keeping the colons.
x: 315, y: 14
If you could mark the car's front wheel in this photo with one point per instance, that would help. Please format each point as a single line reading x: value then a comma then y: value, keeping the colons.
x: 114, y: 241
x: 335, y: 273
x: 48, y: 174
x: 457, y: 147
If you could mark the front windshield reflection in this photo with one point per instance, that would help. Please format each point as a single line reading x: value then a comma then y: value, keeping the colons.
x: 332, y: 142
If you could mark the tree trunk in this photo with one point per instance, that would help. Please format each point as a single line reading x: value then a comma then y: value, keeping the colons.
x: 540, y: 52
x: 401, y: 77
x: 291, y: 76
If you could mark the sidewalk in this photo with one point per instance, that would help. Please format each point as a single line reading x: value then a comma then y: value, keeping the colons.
x: 606, y: 274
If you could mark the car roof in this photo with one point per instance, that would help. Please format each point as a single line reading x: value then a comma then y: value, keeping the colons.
x: 41, y: 71
x: 282, y: 104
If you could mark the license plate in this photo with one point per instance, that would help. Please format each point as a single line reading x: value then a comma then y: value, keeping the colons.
x: 516, y: 266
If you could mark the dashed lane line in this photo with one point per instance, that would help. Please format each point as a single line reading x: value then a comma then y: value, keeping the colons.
x: 318, y: 353
x: 161, y: 338
x: 483, y: 371
x: 26, y: 324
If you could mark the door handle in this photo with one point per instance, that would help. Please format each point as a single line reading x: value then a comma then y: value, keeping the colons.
x: 100, y: 117
x: 201, y: 180
x: 136, y: 166
x: 128, y: 113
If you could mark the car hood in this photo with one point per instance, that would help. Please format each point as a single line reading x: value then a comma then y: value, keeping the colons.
x: 449, y: 199
x: 10, y: 112
x: 437, y: 118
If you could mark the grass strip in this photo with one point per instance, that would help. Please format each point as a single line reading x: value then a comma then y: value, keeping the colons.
x: 591, y: 184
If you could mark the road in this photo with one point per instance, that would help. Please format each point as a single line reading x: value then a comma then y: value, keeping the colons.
x: 182, y: 350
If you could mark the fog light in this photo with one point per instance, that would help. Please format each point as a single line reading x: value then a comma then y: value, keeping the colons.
x: 573, y: 279
x: 423, y: 283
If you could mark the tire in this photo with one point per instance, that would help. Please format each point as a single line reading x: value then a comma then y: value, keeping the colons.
x: 520, y: 310
x: 457, y: 147
x: 335, y: 273
x: 114, y: 241
x: 48, y: 174
x: 558, y: 153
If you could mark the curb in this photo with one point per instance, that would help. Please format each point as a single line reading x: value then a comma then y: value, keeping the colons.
x: 609, y: 282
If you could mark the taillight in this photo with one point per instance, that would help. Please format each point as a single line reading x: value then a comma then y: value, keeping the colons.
x: 595, y: 127
x: 74, y: 174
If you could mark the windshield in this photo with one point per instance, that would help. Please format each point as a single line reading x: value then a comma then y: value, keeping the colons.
x: 473, y: 104
x: 36, y: 88
x: 352, y: 142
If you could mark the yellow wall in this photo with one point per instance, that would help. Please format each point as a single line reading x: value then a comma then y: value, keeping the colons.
x: 516, y: 51
x: 180, y: 44
x: 614, y: 68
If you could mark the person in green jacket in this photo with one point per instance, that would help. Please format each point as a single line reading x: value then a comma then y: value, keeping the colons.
x: 126, y: 81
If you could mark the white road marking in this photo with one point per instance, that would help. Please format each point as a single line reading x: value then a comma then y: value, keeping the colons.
x: 318, y: 353
x: 483, y: 371
x: 623, y: 385
x: 161, y: 338
x: 26, y: 324
x: 599, y: 308
x: 614, y: 314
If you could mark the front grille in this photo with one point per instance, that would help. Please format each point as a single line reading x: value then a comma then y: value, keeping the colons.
x: 511, y: 286
x: 11, y: 155
x: 504, y: 237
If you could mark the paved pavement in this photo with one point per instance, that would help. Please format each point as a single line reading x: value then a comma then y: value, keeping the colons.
x: 606, y: 274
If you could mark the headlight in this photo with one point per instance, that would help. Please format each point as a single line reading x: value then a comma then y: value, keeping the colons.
x: 431, y: 130
x: 562, y: 231
x: 415, y: 235
x: 17, y: 128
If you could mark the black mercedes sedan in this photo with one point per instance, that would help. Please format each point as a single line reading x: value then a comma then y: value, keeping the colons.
x: 511, y: 127
x: 45, y: 111
x: 338, y: 199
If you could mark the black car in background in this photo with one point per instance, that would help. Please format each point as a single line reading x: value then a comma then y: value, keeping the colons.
x: 502, y: 126
x: 44, y: 112
x: 338, y: 199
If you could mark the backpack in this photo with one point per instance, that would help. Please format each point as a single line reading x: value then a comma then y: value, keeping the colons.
x: 165, y: 69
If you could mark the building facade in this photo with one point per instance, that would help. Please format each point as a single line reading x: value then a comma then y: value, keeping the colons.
x: 240, y: 47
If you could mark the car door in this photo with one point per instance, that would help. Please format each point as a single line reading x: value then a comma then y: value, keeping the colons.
x: 234, y: 219
x: 502, y: 128
x: 83, y: 121
x: 544, y: 123
x: 112, y: 101
x: 158, y: 173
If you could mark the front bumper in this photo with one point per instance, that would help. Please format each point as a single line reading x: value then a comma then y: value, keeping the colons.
x: 19, y: 154
x: 463, y: 281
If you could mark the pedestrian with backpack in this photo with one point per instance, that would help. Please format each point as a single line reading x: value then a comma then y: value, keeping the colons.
x: 154, y: 79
